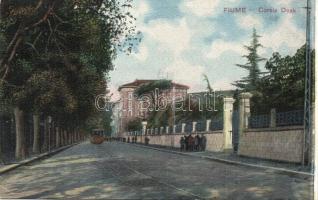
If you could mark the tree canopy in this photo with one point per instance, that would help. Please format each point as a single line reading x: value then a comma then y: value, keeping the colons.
x: 283, y: 88
x: 55, y: 54
x: 252, y: 66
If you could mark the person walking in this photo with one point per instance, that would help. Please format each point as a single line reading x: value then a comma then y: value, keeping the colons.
x: 196, y: 143
x: 182, y: 143
x: 204, y: 140
x: 186, y: 142
x: 191, y: 142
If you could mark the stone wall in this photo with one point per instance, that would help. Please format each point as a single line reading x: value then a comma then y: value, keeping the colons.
x: 215, y: 140
x: 280, y: 143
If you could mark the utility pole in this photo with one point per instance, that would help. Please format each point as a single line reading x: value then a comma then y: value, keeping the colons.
x: 307, y: 149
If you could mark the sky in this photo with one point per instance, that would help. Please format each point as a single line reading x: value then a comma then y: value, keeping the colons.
x: 184, y: 39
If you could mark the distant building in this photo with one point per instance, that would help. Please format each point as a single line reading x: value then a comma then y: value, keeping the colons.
x: 129, y: 104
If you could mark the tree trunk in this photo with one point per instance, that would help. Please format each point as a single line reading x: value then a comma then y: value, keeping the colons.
x: 45, y: 136
x: 36, y: 133
x: 65, y: 137
x: 57, y: 139
x: 49, y: 134
x: 69, y: 137
x: 61, y: 137
x: 20, y: 151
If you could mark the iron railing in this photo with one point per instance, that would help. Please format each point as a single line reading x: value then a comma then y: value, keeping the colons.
x: 216, y: 125
x: 290, y: 118
x: 178, y: 128
x: 188, y: 127
x: 259, y: 121
x: 201, y: 126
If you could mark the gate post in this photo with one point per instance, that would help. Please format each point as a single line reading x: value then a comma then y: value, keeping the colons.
x: 208, y: 123
x: 244, y: 109
x: 183, y: 127
x: 227, y: 123
x: 272, y: 123
x: 144, y: 127
x: 244, y: 113
x: 194, y: 128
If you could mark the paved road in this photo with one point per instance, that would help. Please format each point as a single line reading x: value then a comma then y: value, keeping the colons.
x: 123, y: 171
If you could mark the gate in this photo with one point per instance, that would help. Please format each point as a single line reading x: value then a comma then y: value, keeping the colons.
x: 235, y: 130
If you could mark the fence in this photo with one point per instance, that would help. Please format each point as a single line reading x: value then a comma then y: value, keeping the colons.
x: 201, y: 126
x: 187, y: 127
x: 290, y: 118
x: 216, y: 125
x: 259, y: 121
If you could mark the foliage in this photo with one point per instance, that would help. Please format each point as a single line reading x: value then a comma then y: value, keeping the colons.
x: 249, y: 83
x: 55, y: 54
x: 150, y: 87
x: 100, y: 120
x: 209, y: 87
x: 283, y: 88
x: 134, y: 125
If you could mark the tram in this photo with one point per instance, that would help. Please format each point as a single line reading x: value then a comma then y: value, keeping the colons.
x: 98, y: 136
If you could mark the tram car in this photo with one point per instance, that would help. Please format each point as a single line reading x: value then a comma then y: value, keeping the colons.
x: 97, y: 136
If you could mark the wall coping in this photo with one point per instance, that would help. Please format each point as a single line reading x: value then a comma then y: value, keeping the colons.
x: 274, y: 129
x: 210, y: 132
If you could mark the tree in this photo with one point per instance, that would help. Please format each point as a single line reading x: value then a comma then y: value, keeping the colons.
x: 134, y: 125
x: 209, y: 87
x: 283, y: 87
x: 56, y: 55
x: 249, y: 83
x: 149, y: 88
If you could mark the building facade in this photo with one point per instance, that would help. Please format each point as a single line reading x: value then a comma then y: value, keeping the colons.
x: 132, y: 107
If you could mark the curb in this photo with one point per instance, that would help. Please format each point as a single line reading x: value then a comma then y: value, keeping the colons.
x: 11, y: 167
x: 231, y: 162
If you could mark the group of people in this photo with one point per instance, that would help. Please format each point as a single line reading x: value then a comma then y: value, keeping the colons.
x: 133, y: 139
x: 190, y: 143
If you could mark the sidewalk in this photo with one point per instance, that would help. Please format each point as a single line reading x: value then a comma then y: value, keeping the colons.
x: 6, y: 168
x: 231, y: 158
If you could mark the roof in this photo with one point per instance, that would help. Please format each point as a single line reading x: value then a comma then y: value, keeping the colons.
x: 138, y: 83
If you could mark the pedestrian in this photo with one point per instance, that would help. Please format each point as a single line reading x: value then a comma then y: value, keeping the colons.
x: 200, y: 143
x: 191, y: 143
x: 147, y: 140
x: 204, y: 140
x: 186, y: 142
x: 182, y: 143
x: 196, y: 143
x: 128, y: 140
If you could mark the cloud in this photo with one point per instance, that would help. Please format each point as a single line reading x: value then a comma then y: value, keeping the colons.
x: 219, y: 47
x: 201, y: 39
x: 222, y: 84
x: 200, y: 8
x: 248, y: 22
x: 170, y: 35
x: 281, y: 2
x: 140, y: 9
x: 186, y: 73
x: 285, y: 35
x: 142, y: 53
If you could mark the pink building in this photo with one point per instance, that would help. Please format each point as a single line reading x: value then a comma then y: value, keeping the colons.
x: 132, y: 107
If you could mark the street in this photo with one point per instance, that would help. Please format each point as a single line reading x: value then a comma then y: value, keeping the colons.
x: 124, y: 171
